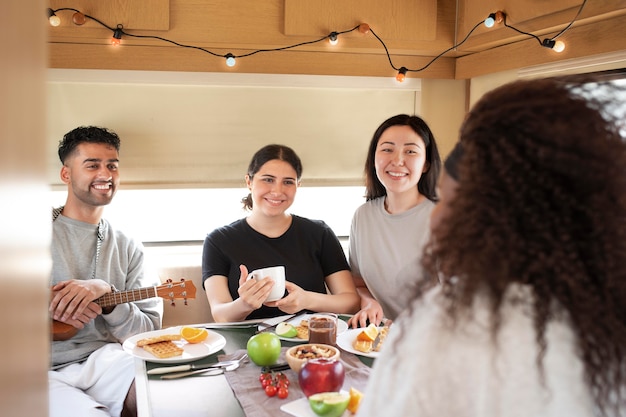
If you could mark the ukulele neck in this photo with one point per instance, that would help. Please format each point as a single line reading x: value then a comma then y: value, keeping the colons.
x: 120, y: 297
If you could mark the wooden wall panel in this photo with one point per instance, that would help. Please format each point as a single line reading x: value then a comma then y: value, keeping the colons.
x: 132, y: 14
x: 391, y: 19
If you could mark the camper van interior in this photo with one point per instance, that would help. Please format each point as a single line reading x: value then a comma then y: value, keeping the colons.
x: 190, y: 120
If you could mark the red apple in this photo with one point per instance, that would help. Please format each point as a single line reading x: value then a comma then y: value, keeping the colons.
x: 321, y: 375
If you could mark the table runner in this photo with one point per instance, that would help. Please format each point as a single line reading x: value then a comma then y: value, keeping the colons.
x: 247, y: 388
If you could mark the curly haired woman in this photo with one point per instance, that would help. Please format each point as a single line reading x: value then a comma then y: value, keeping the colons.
x: 529, y: 241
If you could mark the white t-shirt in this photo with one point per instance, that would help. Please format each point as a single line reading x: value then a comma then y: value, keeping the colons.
x: 428, y: 369
x: 386, y: 250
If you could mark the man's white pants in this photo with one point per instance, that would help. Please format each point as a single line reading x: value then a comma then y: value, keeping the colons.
x: 96, y: 387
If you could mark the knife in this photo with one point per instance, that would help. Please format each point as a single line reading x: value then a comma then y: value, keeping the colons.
x: 377, y: 340
x: 189, y: 367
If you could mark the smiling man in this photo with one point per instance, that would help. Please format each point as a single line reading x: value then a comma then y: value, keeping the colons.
x: 90, y: 373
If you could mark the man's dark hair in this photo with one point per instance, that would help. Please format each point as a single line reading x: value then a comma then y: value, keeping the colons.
x: 90, y: 134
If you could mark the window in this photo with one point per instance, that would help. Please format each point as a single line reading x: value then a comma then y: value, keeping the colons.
x: 187, y: 215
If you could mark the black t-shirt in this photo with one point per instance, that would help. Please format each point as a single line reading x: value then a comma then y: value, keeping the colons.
x: 309, y: 250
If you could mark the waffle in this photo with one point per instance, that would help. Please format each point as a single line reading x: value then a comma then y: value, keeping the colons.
x: 156, y: 339
x: 303, y: 330
x: 163, y: 349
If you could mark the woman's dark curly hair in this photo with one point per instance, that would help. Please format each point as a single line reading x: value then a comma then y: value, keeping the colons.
x: 541, y: 201
x: 427, y: 183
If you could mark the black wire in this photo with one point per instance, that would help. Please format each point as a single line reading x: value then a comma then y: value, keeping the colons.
x: 572, y: 22
x: 521, y: 31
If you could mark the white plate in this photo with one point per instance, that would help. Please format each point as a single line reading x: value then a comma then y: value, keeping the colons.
x: 192, y: 351
x: 301, y: 408
x: 342, y: 326
x: 346, y: 339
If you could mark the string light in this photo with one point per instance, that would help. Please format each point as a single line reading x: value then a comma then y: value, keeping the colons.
x: 79, y: 19
x: 498, y: 17
x: 401, y: 74
x: 117, y: 36
x: 332, y: 38
x: 493, y: 18
x: 230, y: 60
x: 53, y: 18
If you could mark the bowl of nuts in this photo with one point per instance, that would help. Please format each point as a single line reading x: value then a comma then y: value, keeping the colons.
x: 298, y: 355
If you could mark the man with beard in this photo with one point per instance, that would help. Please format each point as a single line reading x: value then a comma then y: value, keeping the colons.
x: 90, y: 373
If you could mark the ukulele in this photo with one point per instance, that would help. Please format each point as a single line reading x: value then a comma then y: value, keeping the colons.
x: 169, y: 290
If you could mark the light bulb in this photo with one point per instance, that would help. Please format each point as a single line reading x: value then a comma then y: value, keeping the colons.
x: 78, y: 18
x: 332, y: 38
x: 556, y: 46
x: 364, y: 28
x: 230, y: 60
x: 53, y: 18
x: 117, y: 37
x: 490, y: 20
x: 559, y: 46
x: 401, y: 75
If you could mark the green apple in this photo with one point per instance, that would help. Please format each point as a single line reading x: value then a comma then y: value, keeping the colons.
x: 329, y: 404
x: 286, y: 330
x: 264, y: 348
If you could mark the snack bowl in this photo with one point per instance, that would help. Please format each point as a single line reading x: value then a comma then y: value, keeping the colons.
x: 298, y: 355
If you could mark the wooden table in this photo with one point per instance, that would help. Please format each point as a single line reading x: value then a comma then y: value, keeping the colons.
x: 194, y: 396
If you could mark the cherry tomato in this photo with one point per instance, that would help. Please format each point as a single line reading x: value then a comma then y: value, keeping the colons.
x: 283, y: 392
x: 271, y: 390
x: 263, y: 376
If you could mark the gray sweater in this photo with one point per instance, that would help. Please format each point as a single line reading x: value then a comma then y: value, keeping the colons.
x: 120, y: 263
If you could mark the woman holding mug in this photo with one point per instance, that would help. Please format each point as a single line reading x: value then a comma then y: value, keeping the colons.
x: 269, y: 236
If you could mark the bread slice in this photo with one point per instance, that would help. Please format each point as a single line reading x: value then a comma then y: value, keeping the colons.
x: 156, y: 339
x: 163, y: 349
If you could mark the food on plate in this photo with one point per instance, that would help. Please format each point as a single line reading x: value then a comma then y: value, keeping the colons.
x: 163, y: 349
x: 355, y: 400
x: 329, y: 404
x: 368, y: 334
x: 286, y: 330
x: 303, y: 330
x: 194, y: 334
x: 364, y: 343
x: 156, y: 339
x: 264, y: 348
x: 321, y: 375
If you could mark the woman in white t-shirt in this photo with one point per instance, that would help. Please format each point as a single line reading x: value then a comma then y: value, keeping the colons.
x: 389, y: 230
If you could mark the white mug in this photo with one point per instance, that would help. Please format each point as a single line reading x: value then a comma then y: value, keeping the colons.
x: 277, y: 274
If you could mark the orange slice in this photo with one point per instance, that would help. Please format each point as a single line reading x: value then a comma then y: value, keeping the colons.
x: 368, y: 334
x: 355, y: 400
x: 194, y: 334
